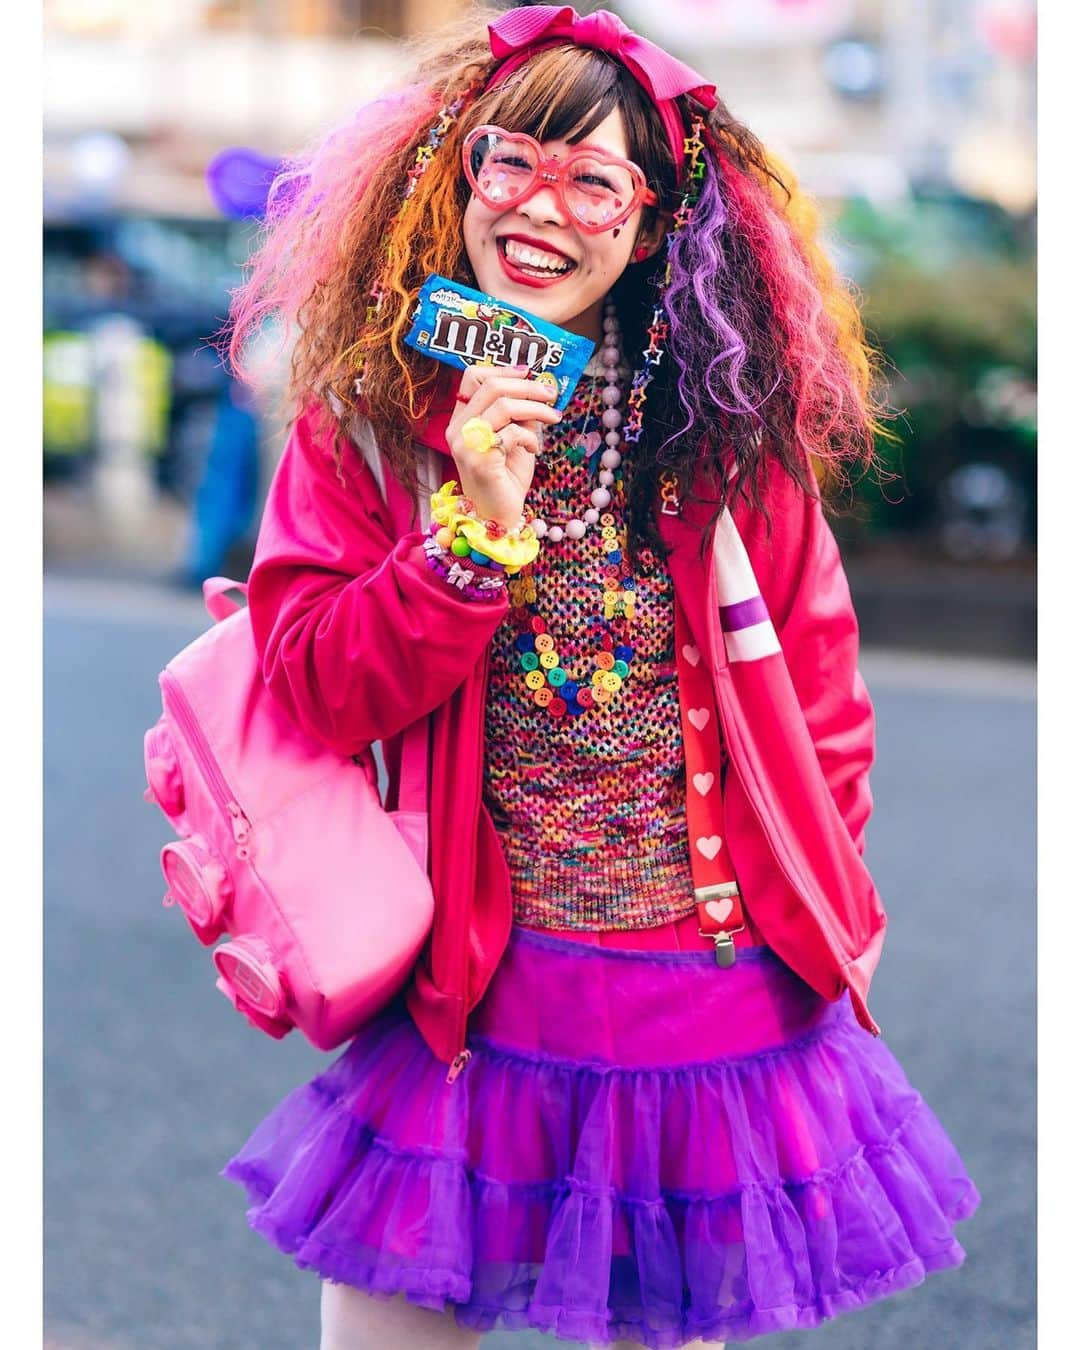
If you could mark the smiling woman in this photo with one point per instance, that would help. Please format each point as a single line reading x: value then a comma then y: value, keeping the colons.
x: 633, y: 1093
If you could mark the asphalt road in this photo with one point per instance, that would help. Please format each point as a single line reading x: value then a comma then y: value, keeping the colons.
x: 152, y: 1081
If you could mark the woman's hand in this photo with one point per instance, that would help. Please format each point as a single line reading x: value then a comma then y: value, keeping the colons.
x: 497, y: 480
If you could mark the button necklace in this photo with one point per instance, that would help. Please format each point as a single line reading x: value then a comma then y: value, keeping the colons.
x: 545, y: 681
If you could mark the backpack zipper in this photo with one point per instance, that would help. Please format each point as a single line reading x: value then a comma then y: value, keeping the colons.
x: 215, y: 780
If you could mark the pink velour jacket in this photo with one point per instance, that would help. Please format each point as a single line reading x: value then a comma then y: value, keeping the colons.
x: 358, y: 639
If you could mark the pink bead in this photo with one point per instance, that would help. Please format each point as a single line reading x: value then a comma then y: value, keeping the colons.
x: 605, y: 477
x: 612, y: 418
x: 600, y: 497
x: 614, y: 439
x: 610, y: 459
x: 555, y: 533
x: 591, y: 516
x: 575, y: 529
x: 611, y: 374
x: 611, y: 324
x: 612, y: 395
x: 539, y: 527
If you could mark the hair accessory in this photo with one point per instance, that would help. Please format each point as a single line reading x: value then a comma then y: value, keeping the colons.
x: 424, y: 155
x: 426, y: 152
x: 694, y: 173
x: 520, y: 33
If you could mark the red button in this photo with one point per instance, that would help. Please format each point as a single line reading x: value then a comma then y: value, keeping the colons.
x: 538, y: 625
x: 557, y: 707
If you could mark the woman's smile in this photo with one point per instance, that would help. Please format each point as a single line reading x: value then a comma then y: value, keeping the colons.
x: 531, y: 261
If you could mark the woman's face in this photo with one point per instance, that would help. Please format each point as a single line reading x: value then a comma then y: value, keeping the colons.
x: 573, y: 299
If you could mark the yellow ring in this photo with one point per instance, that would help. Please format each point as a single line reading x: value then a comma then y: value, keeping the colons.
x: 479, y: 435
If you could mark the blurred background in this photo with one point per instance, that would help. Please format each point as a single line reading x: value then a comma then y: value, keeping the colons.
x: 914, y: 124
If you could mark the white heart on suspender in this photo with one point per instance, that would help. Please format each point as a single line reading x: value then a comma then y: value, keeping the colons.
x: 709, y: 846
x: 699, y: 717
x: 704, y: 781
x: 691, y: 653
x: 719, y: 909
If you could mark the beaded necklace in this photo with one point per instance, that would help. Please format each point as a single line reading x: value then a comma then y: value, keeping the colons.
x: 545, y: 681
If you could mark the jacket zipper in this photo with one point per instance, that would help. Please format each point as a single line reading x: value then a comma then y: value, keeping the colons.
x: 461, y: 1059
x: 215, y: 781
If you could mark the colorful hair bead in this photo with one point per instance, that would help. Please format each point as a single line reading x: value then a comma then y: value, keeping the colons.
x: 425, y: 153
x: 694, y: 173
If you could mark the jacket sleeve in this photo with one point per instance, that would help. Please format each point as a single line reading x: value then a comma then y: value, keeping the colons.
x: 809, y: 600
x: 356, y: 635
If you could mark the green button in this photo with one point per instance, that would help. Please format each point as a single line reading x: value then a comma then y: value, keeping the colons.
x: 621, y: 668
x: 556, y: 676
x: 529, y: 660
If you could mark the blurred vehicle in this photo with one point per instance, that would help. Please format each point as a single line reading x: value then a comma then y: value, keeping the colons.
x: 168, y: 277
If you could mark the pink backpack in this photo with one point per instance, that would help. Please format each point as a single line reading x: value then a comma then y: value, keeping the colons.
x: 284, y: 845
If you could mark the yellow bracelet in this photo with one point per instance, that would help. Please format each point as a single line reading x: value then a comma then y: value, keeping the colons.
x: 514, y: 550
x: 445, y: 505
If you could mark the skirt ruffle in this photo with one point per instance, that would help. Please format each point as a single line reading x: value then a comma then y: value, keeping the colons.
x: 721, y: 1198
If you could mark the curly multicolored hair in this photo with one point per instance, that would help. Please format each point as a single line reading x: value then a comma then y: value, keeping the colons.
x: 767, y: 353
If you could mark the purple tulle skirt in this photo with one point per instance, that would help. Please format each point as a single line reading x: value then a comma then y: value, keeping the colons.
x: 643, y: 1146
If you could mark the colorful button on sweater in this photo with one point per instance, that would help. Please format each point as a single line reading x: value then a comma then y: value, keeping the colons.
x: 590, y: 804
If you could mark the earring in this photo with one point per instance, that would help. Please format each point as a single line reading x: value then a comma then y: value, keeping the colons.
x: 640, y: 253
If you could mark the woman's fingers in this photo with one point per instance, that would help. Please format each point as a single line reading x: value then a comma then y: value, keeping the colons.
x: 518, y: 437
x: 503, y: 410
x: 480, y: 391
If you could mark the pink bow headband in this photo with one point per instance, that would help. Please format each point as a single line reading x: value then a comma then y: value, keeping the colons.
x: 521, y: 33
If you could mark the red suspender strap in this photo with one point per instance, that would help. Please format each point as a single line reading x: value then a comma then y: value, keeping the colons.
x: 719, y: 908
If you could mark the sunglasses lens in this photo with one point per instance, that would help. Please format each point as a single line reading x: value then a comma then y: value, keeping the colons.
x: 598, y: 193
x: 502, y: 167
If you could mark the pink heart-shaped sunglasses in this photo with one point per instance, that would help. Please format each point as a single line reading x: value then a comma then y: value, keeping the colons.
x: 596, y: 189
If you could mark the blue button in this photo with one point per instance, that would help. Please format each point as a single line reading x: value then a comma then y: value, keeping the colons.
x: 569, y: 690
x: 524, y: 643
x: 477, y: 557
x: 616, y: 556
x: 574, y: 708
x: 624, y: 653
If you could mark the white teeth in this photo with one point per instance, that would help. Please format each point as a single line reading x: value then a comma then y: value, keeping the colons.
x: 531, y: 257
